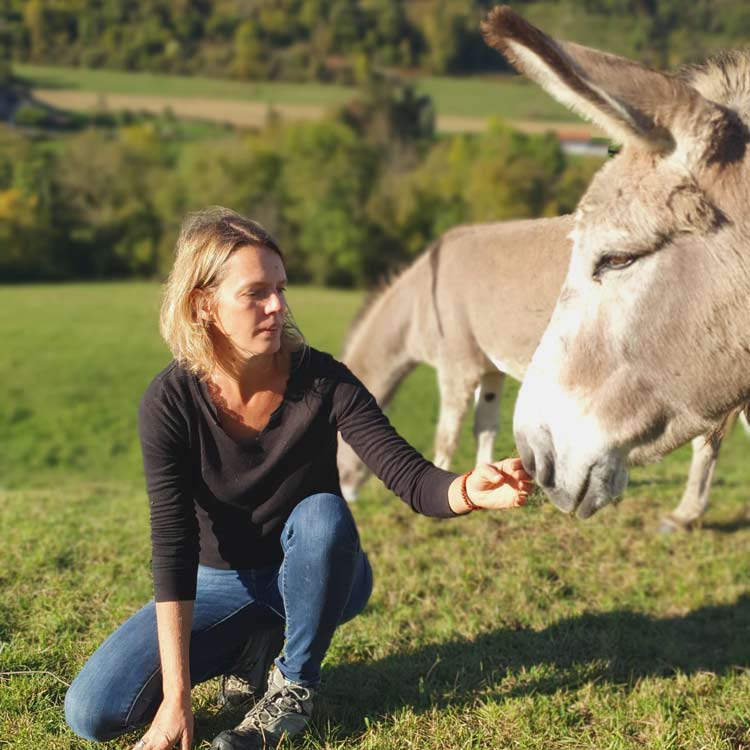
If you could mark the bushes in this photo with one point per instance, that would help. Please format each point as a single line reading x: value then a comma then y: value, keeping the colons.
x: 31, y: 115
x: 327, y: 39
x: 348, y: 197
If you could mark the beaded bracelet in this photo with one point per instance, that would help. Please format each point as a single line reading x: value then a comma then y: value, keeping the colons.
x: 465, y: 494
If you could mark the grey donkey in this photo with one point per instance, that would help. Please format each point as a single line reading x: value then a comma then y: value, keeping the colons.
x: 474, y: 307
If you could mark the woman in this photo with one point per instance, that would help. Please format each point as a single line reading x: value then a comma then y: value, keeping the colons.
x: 249, y: 532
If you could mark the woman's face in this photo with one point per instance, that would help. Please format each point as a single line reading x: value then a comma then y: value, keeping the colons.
x: 248, y: 306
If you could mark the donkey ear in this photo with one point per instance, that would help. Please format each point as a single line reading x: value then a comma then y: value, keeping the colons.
x: 633, y: 104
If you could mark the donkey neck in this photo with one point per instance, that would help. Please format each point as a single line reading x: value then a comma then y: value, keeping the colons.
x: 379, y: 348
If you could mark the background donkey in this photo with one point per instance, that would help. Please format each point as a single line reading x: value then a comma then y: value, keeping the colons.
x: 474, y: 307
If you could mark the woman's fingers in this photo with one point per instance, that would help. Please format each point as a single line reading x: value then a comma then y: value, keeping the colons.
x: 513, y: 467
x: 510, y: 470
x: 521, y: 481
x: 146, y: 744
x: 505, y: 496
x: 519, y: 474
x: 159, y: 741
x: 504, y: 484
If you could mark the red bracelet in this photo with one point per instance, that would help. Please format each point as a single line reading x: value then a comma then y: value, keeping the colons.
x: 465, y: 494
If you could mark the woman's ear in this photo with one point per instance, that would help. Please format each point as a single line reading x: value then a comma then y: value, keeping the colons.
x: 201, y: 302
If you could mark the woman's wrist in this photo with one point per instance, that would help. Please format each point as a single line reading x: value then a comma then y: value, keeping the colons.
x: 456, y: 500
x: 468, y: 502
x: 176, y: 694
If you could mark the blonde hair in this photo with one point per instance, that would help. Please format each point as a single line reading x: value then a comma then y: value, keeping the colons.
x: 207, y: 239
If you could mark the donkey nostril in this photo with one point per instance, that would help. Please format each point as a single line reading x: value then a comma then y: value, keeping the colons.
x: 526, y: 454
x: 546, y: 474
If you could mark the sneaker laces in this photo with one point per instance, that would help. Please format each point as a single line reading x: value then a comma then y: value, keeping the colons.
x: 287, y: 699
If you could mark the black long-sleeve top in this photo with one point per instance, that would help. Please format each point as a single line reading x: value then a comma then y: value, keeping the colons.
x: 224, y: 502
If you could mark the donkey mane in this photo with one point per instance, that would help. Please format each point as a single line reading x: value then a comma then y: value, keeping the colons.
x: 383, y: 286
x: 723, y: 78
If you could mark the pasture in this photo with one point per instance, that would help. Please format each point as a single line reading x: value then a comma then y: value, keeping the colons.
x: 461, y: 104
x: 516, y: 630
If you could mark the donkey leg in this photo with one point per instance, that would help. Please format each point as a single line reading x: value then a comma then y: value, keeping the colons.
x: 695, y: 497
x: 455, y: 397
x: 487, y: 413
x: 352, y: 470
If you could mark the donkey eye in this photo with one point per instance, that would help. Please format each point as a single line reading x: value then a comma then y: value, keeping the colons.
x: 619, y: 261
x: 614, y: 262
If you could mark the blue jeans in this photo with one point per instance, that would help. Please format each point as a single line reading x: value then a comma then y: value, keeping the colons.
x: 324, y: 579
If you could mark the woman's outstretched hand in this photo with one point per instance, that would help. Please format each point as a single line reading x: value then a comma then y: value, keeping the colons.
x: 503, y: 484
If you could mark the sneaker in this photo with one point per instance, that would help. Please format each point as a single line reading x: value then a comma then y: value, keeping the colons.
x: 248, y: 677
x: 283, y: 711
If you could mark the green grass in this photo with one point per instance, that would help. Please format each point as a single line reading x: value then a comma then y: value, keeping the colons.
x: 518, y: 630
x: 508, y: 97
x: 154, y: 84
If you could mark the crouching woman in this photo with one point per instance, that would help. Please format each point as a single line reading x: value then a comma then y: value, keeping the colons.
x: 253, y: 547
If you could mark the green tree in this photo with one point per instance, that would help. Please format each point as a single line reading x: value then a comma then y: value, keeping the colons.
x: 250, y: 55
x: 444, y: 28
x: 35, y: 22
x: 327, y: 177
x: 242, y: 174
x: 110, y: 181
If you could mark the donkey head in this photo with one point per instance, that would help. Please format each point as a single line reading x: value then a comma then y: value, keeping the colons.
x: 649, y: 344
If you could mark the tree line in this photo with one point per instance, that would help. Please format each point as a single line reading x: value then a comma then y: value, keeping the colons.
x: 338, y: 39
x: 348, y: 197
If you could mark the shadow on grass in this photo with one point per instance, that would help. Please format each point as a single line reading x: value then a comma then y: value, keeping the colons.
x: 655, y: 482
x: 727, y: 527
x: 616, y: 647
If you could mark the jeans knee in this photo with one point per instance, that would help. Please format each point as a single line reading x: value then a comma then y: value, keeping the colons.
x: 361, y: 589
x: 85, y: 717
x: 325, y: 520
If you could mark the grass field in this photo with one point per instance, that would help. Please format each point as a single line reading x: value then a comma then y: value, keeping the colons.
x: 513, y: 630
x: 460, y: 103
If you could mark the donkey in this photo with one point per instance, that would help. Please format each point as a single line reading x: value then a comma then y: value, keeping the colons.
x: 649, y: 342
x: 474, y: 307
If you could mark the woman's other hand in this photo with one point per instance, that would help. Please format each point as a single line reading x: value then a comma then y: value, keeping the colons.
x: 172, y: 727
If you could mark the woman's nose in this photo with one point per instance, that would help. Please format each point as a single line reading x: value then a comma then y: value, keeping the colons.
x: 275, y: 304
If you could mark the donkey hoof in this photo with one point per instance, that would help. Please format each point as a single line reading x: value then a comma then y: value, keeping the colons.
x: 672, y: 525
x: 349, y: 493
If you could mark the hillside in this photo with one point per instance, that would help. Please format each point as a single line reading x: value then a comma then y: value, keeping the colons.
x: 340, y: 39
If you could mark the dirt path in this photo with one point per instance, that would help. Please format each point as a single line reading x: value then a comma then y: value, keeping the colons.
x: 255, y: 114
x: 245, y: 114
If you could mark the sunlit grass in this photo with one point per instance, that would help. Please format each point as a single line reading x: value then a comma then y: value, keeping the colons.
x: 511, y: 630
